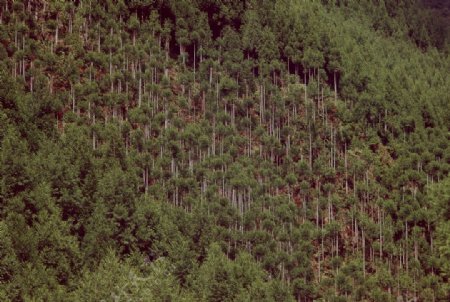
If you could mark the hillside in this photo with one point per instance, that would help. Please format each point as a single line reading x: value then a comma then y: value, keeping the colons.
x: 214, y: 150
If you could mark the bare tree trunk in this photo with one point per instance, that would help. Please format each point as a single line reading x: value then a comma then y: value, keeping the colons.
x: 310, y: 147
x: 363, y: 251
x: 335, y: 87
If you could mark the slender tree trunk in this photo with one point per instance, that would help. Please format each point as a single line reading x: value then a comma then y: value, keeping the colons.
x: 194, y: 59
x: 363, y: 251
x: 335, y: 87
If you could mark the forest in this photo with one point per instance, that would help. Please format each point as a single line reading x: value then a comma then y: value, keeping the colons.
x: 225, y: 150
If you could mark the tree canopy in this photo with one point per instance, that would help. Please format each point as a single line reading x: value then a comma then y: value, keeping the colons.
x: 206, y: 150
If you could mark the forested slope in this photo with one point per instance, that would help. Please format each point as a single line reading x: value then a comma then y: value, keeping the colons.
x: 224, y: 150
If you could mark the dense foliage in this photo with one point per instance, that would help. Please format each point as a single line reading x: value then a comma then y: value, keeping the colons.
x: 224, y: 150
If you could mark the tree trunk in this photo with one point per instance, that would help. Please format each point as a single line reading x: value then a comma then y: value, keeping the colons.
x: 335, y: 87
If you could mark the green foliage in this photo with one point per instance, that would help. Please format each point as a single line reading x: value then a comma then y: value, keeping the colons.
x: 224, y: 151
x: 114, y: 279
